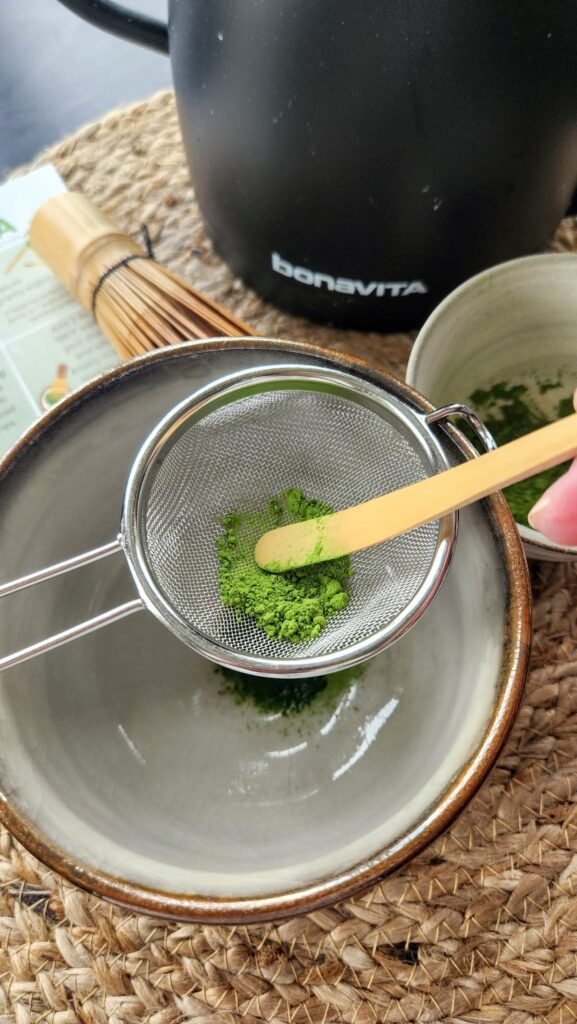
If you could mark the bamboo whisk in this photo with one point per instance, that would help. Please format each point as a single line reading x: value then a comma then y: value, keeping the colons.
x: 138, y: 304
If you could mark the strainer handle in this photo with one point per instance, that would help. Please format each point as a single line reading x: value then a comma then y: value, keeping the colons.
x: 456, y: 409
x: 59, y: 568
x: 82, y: 628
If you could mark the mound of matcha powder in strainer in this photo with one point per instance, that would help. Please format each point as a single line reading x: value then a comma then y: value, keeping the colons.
x: 292, y: 606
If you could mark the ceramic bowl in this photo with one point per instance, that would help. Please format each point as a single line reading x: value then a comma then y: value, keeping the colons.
x: 125, y: 767
x: 518, y: 317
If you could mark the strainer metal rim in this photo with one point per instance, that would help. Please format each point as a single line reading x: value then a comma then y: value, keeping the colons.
x: 198, y: 405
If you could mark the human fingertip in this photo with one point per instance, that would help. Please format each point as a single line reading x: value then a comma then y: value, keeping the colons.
x: 537, y: 517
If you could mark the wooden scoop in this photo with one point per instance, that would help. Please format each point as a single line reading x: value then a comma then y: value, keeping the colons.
x: 372, y: 522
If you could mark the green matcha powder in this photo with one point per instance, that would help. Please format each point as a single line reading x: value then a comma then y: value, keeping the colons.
x: 508, y: 412
x: 293, y: 606
x: 287, y: 697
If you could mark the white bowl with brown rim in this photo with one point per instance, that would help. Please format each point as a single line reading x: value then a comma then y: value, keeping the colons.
x: 127, y: 769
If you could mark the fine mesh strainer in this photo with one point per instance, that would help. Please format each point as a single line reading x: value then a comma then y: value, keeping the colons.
x: 236, y: 444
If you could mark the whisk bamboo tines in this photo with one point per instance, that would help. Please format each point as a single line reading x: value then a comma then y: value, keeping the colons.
x: 138, y: 304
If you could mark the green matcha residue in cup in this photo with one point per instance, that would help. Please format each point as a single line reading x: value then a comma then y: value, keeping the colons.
x: 292, y: 606
x: 509, y: 411
x: 287, y: 697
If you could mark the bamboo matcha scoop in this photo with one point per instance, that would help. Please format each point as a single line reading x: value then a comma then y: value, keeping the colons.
x: 372, y: 522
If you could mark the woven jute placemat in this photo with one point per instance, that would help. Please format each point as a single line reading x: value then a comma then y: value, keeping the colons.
x: 482, y: 927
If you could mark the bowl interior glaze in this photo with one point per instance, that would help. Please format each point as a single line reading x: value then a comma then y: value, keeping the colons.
x: 126, y: 767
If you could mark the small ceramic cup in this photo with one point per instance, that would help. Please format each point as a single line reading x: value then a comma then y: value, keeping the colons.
x: 518, y: 318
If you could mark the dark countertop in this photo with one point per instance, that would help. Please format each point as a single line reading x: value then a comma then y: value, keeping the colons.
x: 58, y: 73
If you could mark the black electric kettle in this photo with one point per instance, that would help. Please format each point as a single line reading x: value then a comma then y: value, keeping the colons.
x: 354, y: 161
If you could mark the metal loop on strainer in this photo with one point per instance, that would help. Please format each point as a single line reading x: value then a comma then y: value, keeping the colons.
x: 246, y: 439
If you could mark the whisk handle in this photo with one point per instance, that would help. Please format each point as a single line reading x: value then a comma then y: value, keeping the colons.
x: 88, y: 626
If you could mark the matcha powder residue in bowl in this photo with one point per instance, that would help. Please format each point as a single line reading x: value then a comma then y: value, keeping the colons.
x: 293, y: 606
x: 509, y: 411
x: 287, y: 697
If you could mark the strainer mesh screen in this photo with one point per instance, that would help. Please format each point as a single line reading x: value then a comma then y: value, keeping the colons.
x: 237, y: 458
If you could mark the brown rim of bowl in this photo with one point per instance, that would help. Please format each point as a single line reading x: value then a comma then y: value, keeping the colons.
x: 224, y: 910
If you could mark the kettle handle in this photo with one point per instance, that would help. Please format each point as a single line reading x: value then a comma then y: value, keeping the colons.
x: 121, y: 21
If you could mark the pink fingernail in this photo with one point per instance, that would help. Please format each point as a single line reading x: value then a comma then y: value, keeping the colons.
x: 555, y: 514
x: 535, y: 514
